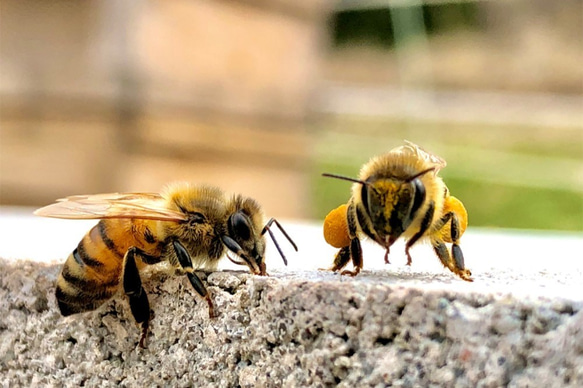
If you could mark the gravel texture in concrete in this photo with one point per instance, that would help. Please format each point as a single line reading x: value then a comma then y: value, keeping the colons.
x: 292, y: 329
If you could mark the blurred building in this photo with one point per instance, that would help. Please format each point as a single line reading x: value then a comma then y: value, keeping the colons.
x: 102, y: 96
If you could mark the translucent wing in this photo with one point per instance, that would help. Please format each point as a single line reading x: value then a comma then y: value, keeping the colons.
x: 148, y: 206
x: 432, y: 159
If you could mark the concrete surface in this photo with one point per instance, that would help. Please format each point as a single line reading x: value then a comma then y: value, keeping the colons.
x: 520, y: 324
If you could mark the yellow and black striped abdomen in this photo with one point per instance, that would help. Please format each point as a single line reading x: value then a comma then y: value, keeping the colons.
x: 91, y: 274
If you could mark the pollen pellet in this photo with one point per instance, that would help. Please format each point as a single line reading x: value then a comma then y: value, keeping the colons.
x: 336, y: 228
x: 452, y: 204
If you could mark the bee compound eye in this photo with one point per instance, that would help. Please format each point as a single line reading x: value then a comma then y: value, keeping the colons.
x: 239, y: 226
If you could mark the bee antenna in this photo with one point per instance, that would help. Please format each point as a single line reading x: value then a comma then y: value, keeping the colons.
x: 345, y: 178
x: 267, y: 228
x: 420, y: 174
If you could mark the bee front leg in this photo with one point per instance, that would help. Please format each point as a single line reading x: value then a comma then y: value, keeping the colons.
x: 132, y: 285
x: 186, y: 263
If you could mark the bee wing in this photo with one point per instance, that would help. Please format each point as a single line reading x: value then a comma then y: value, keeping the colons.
x: 149, y: 206
x: 432, y: 159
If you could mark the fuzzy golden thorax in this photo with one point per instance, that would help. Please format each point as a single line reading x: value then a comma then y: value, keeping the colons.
x: 206, y: 214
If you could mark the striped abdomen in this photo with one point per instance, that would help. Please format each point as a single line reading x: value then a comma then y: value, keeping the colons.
x: 91, y: 274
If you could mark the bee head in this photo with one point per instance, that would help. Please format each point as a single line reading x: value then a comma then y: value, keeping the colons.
x: 244, y: 235
x: 392, y: 203
x: 389, y: 203
x: 244, y: 239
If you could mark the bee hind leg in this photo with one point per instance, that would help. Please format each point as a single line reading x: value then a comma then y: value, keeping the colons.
x: 132, y: 285
x: 197, y: 284
x: 455, y: 265
x: 456, y: 251
x: 355, y: 248
x: 356, y: 255
x: 340, y: 260
x: 352, y: 251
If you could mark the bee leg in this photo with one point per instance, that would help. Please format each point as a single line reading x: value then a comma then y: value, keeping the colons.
x: 425, y: 223
x: 457, y: 266
x: 340, y: 260
x: 387, y: 251
x: 132, y: 285
x: 186, y: 263
x: 234, y: 247
x: 445, y: 258
x: 356, y: 255
x: 456, y: 251
x: 355, y: 248
x: 148, y: 259
x: 199, y: 287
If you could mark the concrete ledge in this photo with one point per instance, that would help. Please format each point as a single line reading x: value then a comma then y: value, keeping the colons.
x: 294, y: 328
x: 519, y: 324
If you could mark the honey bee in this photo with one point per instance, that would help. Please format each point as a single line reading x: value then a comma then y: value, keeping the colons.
x: 398, y: 194
x: 189, y: 226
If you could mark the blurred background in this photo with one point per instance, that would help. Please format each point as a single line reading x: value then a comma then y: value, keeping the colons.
x: 262, y: 96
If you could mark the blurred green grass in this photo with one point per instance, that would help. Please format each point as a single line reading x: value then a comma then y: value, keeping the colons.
x: 507, y: 176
